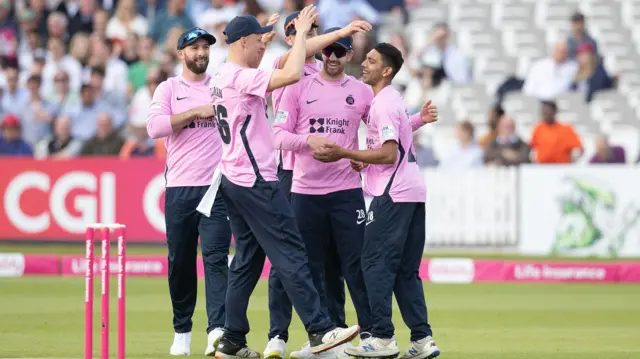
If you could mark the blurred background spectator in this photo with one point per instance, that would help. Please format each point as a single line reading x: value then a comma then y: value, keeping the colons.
x: 11, y: 143
x: 66, y: 63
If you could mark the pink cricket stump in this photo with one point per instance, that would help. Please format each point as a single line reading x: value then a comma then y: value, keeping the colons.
x: 121, y: 292
x: 106, y: 231
x: 88, y: 295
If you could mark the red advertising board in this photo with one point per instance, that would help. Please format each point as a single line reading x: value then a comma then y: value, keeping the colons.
x: 54, y: 200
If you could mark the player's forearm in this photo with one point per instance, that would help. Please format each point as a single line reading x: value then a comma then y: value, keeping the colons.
x: 316, y: 44
x: 378, y: 156
x: 162, y: 125
x: 295, y: 63
x: 416, y: 122
x: 288, y: 141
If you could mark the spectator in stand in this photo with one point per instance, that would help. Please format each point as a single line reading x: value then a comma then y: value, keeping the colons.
x: 215, y: 14
x: 218, y: 51
x: 605, y: 153
x: 59, y: 60
x: 57, y: 27
x: 495, y: 114
x: 507, y: 148
x: 441, y: 60
x: 41, y: 13
x: 61, y: 95
x: 15, y: 99
x: 85, y: 118
x: 128, y: 50
x: 403, y: 77
x: 138, y: 72
x: 38, y: 115
x: 117, y: 102
x: 173, y: 15
x: 100, y: 21
x: 8, y: 31
x: 61, y: 145
x: 150, y: 8
x: 553, y: 141
x: 340, y: 13
x: 550, y: 77
x: 579, y: 36
x: 29, y: 48
x: 106, y: 142
x: 591, y: 76
x: 82, y: 21
x: 468, y: 154
x: 126, y: 20
x: 80, y: 48
x: 142, y: 99
x: 11, y: 143
x: 116, y: 70
x: 425, y: 156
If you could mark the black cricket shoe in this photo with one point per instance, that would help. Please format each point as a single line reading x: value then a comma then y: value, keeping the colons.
x: 321, y: 342
x: 229, y: 350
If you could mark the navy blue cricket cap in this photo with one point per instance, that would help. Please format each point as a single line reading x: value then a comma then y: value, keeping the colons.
x: 346, y: 42
x: 192, y: 35
x: 242, y: 26
x: 289, y: 28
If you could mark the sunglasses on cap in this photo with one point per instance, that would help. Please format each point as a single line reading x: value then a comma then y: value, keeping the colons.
x: 290, y: 29
x: 339, y: 51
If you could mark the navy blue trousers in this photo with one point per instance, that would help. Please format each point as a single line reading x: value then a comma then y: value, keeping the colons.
x: 280, y: 308
x: 392, y: 252
x: 332, y: 227
x: 262, y: 222
x: 184, y: 224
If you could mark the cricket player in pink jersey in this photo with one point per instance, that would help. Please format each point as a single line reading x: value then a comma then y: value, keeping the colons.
x: 194, y: 149
x: 280, y: 309
x: 327, y: 198
x: 395, y: 223
x: 262, y: 220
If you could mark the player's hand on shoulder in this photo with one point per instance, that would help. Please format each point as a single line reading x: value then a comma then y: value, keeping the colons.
x: 429, y: 112
x: 355, y: 27
x: 316, y: 143
x: 308, y: 16
x: 205, y: 112
x: 329, y: 153
x: 358, y: 166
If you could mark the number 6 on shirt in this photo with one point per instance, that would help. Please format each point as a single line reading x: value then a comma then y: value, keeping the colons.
x: 223, y: 125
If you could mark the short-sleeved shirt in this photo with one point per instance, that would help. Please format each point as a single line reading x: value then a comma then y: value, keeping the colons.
x: 554, y: 143
x: 389, y: 121
x: 193, y: 152
x: 239, y: 98
x: 286, y: 158
x: 329, y: 109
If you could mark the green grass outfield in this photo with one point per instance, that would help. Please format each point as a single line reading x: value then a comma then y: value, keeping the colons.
x: 43, y: 317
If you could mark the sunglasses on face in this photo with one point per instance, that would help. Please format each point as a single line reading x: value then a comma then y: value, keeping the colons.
x: 339, y: 51
x: 290, y: 29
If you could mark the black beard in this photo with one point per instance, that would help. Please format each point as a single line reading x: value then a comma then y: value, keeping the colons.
x: 196, y: 69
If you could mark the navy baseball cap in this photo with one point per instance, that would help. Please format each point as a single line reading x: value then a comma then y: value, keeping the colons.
x: 345, y: 42
x: 289, y: 28
x: 242, y: 26
x: 192, y: 35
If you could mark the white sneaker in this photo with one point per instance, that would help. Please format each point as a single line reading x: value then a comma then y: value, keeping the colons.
x: 375, y: 348
x: 181, y: 344
x: 305, y: 353
x: 321, y: 343
x: 276, y: 348
x: 425, y: 348
x: 212, y: 341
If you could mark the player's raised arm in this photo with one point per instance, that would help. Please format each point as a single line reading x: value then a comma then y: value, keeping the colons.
x: 161, y: 122
x: 293, y: 69
x: 316, y: 44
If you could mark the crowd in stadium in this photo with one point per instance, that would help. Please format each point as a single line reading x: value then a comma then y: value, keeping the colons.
x: 77, y: 76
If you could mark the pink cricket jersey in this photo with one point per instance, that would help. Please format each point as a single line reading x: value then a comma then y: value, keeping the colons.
x: 334, y: 110
x: 194, y: 152
x: 389, y: 121
x: 276, y: 95
x: 239, y: 96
